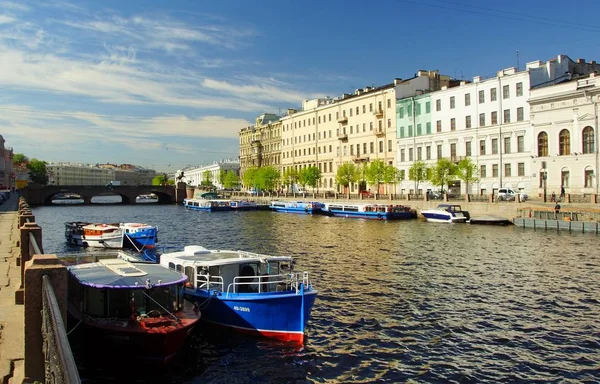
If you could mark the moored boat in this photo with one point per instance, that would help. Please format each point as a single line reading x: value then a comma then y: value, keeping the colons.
x: 370, y: 211
x: 446, y: 213
x: 307, y: 207
x: 137, y: 236
x: 134, y: 311
x: 207, y: 205
x: 148, y: 198
x: 248, y: 292
x: 67, y: 199
x: 243, y: 205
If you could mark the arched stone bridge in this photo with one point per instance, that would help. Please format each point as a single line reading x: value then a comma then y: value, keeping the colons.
x: 40, y: 195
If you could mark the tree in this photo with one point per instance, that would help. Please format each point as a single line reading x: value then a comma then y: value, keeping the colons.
x: 289, y: 177
x: 19, y: 159
x: 222, y: 174
x: 162, y: 179
x: 418, y: 173
x: 231, y: 180
x: 442, y: 173
x: 37, y: 171
x: 267, y: 178
x: 467, y: 172
x: 309, y: 176
x: 346, y: 174
x: 206, y: 179
x: 249, y: 177
x: 375, y: 173
x: 391, y: 175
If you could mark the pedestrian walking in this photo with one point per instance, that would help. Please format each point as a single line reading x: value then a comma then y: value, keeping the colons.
x: 553, y: 197
x: 562, y: 192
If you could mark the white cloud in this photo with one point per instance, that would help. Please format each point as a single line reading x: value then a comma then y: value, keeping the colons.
x: 14, y: 6
x: 6, y: 19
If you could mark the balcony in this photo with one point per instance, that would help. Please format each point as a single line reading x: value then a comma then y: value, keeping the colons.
x: 379, y: 132
x: 360, y: 158
x: 343, y: 120
x: 378, y: 112
x: 343, y: 136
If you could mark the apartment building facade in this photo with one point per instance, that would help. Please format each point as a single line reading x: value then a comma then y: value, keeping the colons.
x: 195, y: 176
x: 487, y: 120
x: 87, y: 174
x: 7, y: 176
x: 564, y: 121
x: 354, y: 128
x: 260, y: 144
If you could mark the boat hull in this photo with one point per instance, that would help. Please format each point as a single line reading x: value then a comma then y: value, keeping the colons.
x: 297, y: 207
x: 443, y: 217
x: 375, y: 215
x: 280, y: 316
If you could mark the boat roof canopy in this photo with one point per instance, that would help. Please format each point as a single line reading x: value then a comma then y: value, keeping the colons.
x: 121, y: 274
x: 199, y: 256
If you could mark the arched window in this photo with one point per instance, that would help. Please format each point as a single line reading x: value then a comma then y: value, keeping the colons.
x: 542, y: 144
x: 564, y: 143
x: 588, y: 140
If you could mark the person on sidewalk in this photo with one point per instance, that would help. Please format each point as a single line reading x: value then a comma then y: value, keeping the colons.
x: 562, y: 192
x: 553, y: 197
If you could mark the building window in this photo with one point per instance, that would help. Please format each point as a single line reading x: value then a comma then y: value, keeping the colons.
x: 381, y: 146
x: 507, y: 170
x: 507, y: 145
x: 410, y: 154
x: 564, y: 178
x: 370, y: 107
x: 588, y: 176
x: 438, y: 126
x: 349, y: 110
x: 494, y: 118
x: 520, y: 144
x: 467, y: 99
x: 494, y: 146
x: 468, y: 148
x: 389, y: 145
x: 389, y: 123
x: 439, y: 151
x: 506, y: 116
x: 505, y: 92
x: 542, y: 180
x: 370, y: 126
x: 519, y: 89
x: 520, y: 116
x: 453, y: 124
x: 428, y: 107
x: 481, y: 147
x: 419, y: 153
x: 438, y: 105
x: 401, y: 112
x: 482, y: 119
x: 468, y: 121
x: 364, y: 108
x: 482, y: 172
x: 494, y: 170
x: 481, y: 97
x: 453, y: 151
x: 428, y: 128
x: 410, y: 131
x: 493, y: 96
x: 401, y: 132
x: 452, y: 102
x: 564, y: 142
x: 588, y: 140
x: 521, y: 169
x: 357, y: 110
x: 371, y: 147
x: 542, y: 144
x: 418, y: 109
x: 428, y: 152
x: 402, y: 155
x: 364, y: 127
x: 419, y: 133
x: 389, y: 103
x: 364, y: 147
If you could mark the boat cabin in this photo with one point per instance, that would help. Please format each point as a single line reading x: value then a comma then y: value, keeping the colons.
x: 450, y: 207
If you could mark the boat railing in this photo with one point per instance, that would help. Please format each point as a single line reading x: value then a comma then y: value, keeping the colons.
x: 209, y: 282
x: 268, y: 283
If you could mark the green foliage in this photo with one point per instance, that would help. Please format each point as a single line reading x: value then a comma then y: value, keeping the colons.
x: 249, y: 177
x: 346, y: 174
x: 418, y: 173
x: 231, y: 180
x: 222, y: 174
x: 267, y: 178
x: 391, y: 174
x: 467, y: 171
x: 443, y: 171
x: 309, y: 176
x: 206, y: 179
x: 37, y: 171
x: 19, y: 158
x: 375, y: 173
x: 289, y: 177
x: 162, y: 179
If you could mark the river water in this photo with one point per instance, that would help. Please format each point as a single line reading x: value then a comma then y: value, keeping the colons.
x: 404, y: 301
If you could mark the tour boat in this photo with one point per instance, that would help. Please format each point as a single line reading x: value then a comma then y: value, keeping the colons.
x: 207, y: 205
x: 243, y: 205
x: 149, y: 198
x: 370, y: 211
x: 446, y: 213
x: 132, y: 311
x: 309, y: 207
x: 118, y: 236
x: 67, y: 199
x: 248, y: 292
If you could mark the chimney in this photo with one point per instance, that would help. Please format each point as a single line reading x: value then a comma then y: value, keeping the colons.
x: 397, y: 81
x: 580, y: 61
x: 476, y: 79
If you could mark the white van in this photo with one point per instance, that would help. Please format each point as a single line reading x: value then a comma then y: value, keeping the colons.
x: 509, y: 194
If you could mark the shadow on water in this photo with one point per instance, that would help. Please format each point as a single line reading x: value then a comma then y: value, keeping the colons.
x: 398, y: 301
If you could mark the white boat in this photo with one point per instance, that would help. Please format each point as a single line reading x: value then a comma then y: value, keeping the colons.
x: 446, y: 213
x: 116, y: 236
x: 207, y: 205
x: 148, y: 198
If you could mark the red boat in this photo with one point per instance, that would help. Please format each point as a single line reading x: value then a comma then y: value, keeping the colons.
x: 132, y: 310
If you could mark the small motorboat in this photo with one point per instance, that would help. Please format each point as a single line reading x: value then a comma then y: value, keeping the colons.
x: 446, y: 213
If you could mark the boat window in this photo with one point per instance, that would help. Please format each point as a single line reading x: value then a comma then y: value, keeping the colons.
x: 119, y: 303
x: 214, y: 270
x: 189, y: 272
x: 94, y: 301
x: 171, y: 265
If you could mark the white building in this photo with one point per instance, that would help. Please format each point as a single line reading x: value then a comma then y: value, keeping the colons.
x: 564, y: 121
x: 486, y: 120
x: 195, y: 176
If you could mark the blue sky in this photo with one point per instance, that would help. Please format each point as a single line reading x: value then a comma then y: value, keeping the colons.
x: 167, y: 84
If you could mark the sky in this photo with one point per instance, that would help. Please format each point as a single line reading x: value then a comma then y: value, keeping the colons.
x: 169, y: 84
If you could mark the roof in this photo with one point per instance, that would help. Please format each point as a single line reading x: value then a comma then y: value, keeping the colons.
x: 196, y: 255
x: 121, y: 274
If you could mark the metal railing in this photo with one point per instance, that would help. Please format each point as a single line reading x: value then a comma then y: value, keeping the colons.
x: 59, y: 363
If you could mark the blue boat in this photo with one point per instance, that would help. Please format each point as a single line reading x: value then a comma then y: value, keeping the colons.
x: 247, y: 292
x: 370, y: 211
x: 306, y: 207
x: 207, y: 205
x: 446, y: 213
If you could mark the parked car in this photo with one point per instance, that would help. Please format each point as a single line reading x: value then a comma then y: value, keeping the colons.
x: 508, y: 194
x: 435, y: 195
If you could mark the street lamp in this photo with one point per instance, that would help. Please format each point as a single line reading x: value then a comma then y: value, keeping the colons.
x: 544, y: 178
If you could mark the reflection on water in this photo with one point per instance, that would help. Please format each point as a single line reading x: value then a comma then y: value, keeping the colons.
x: 398, y: 301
